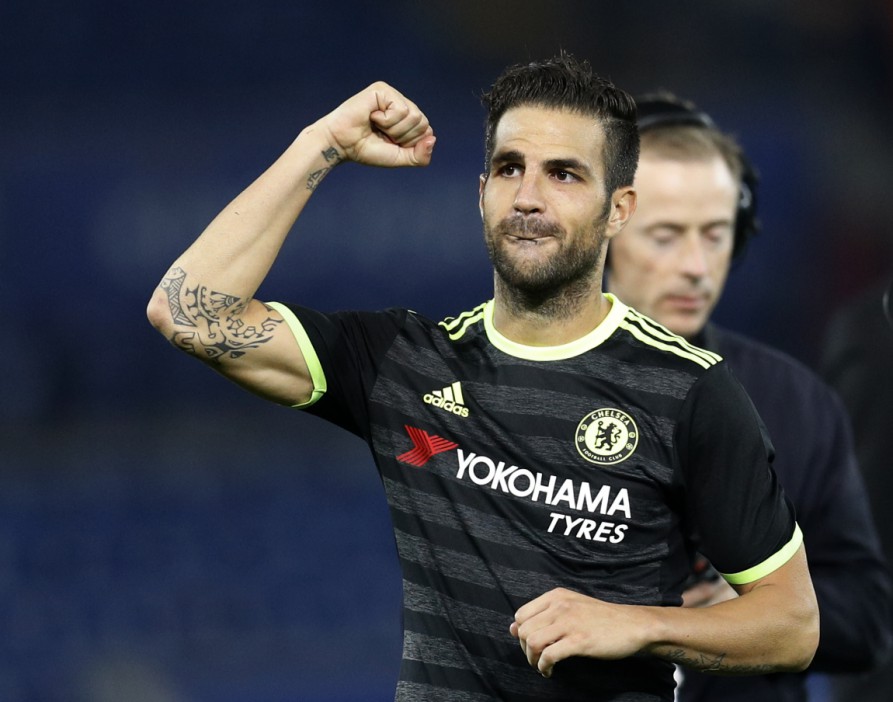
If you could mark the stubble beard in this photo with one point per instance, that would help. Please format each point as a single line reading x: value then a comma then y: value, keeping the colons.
x: 557, y: 286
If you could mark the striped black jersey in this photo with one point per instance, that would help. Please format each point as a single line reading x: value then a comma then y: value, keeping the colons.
x: 512, y: 470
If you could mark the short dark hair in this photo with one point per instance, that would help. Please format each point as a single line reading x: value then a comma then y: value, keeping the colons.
x: 567, y: 83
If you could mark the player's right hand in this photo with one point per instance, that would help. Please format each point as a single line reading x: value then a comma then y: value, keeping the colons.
x: 380, y: 127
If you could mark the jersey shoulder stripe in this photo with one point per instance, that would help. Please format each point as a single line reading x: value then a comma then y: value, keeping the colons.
x: 457, y: 326
x: 653, y: 334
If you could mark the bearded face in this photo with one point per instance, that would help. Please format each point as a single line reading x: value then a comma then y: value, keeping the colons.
x: 539, y: 258
x: 546, y: 214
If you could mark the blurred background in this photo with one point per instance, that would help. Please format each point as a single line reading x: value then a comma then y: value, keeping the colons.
x: 165, y: 536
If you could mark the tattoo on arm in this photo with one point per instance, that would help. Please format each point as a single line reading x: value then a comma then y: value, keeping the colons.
x: 713, y: 663
x: 333, y: 159
x: 208, y: 322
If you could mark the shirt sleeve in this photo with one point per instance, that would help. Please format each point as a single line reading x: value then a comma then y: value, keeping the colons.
x: 344, y: 351
x: 745, y: 524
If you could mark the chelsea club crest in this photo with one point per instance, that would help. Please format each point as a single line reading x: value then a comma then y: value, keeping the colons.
x: 607, y: 436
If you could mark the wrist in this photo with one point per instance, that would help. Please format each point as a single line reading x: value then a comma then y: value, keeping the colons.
x: 654, y: 627
x: 313, y: 156
x: 318, y: 138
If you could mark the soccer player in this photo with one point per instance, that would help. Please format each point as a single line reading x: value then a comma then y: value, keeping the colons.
x: 542, y: 453
x: 696, y: 211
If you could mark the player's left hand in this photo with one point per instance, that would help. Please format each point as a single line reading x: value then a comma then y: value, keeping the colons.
x: 562, y: 623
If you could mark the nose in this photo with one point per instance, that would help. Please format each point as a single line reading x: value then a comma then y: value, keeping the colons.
x: 693, y: 256
x: 528, y: 198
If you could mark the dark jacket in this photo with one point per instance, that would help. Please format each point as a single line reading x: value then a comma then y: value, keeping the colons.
x: 816, y: 464
x: 858, y: 362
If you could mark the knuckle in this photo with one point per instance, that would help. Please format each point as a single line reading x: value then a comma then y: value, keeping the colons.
x: 547, y: 660
x: 563, y: 605
x: 536, y: 643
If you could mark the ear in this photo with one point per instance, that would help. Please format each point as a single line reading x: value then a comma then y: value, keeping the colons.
x: 623, y: 205
x: 483, y: 182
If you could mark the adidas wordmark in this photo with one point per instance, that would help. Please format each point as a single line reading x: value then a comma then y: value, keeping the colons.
x: 449, y: 398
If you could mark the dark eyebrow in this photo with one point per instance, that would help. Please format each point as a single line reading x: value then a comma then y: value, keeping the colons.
x: 568, y: 164
x: 507, y: 157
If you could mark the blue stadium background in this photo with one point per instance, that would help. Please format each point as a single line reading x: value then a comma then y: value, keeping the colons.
x: 165, y: 536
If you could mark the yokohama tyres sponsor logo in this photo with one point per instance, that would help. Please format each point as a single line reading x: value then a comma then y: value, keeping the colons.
x: 536, y: 487
x: 604, y: 500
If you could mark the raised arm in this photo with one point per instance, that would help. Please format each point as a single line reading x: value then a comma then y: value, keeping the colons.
x: 205, y: 303
x: 772, y: 627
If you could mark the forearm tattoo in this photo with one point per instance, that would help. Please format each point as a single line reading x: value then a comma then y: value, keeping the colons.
x: 207, y: 323
x: 333, y: 159
x: 713, y: 663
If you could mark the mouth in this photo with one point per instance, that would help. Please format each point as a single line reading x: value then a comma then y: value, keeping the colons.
x: 527, y: 231
x: 528, y: 240
x: 687, y: 302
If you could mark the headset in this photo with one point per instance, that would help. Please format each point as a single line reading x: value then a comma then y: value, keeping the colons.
x: 656, y: 110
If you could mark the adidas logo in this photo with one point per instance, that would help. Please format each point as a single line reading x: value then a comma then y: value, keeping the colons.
x: 449, y: 399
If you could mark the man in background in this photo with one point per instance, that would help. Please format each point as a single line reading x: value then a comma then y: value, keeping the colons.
x: 696, y: 212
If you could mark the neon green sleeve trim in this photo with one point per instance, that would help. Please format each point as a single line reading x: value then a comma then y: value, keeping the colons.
x: 771, y: 564
x: 316, y: 372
